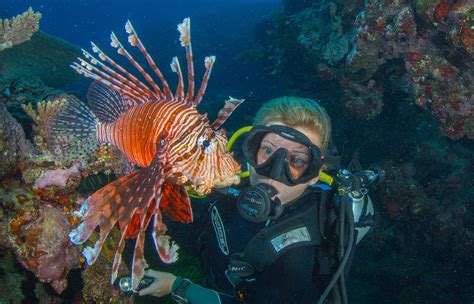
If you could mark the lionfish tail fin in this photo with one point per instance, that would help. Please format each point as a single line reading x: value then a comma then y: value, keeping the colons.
x: 72, y: 133
x: 230, y: 105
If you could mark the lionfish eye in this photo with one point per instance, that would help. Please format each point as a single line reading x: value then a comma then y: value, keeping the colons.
x: 205, y: 143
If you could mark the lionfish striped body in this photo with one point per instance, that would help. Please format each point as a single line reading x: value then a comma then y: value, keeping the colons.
x: 159, y: 131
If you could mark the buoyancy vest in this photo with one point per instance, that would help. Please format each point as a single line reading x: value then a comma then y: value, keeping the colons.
x: 233, y: 249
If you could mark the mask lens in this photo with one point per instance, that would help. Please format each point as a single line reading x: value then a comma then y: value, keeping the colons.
x: 296, y: 155
x: 282, y: 153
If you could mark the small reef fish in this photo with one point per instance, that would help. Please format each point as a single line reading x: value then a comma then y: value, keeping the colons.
x: 159, y: 131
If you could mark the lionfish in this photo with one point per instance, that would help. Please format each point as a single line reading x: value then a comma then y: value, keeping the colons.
x: 157, y: 130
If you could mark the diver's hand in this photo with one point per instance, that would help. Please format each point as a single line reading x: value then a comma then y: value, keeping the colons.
x: 162, y: 284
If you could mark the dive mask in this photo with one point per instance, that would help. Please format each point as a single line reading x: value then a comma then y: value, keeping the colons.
x: 276, y: 164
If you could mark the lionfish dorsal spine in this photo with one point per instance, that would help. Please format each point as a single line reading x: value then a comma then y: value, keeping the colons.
x: 107, y: 104
x: 121, y: 69
x: 91, y: 71
x: 137, y: 86
x: 114, y: 76
x: 175, y: 67
x: 208, y: 62
x: 115, y: 43
x: 134, y: 40
x: 184, y: 29
x: 115, y: 82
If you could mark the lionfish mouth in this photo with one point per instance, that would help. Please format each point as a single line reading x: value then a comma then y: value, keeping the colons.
x: 206, y: 187
x: 230, y: 180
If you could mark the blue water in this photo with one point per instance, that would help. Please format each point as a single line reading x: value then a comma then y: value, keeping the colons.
x: 221, y: 28
x: 429, y: 176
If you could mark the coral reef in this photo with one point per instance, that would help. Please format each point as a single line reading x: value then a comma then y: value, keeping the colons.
x: 39, y: 238
x: 404, y: 85
x: 355, y: 44
x: 97, y: 287
x: 363, y: 101
x: 455, y: 18
x: 38, y: 196
x: 44, y: 297
x: 14, y: 147
x: 425, y: 229
x: 10, y: 279
x: 444, y: 90
x: 58, y: 178
x: 19, y: 29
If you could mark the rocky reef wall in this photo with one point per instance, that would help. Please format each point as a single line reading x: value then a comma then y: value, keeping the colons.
x: 397, y: 78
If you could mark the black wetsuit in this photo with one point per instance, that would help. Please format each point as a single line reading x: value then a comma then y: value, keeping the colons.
x: 295, y: 276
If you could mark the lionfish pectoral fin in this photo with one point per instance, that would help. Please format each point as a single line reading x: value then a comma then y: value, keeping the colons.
x: 154, y: 171
x: 175, y: 203
x: 134, y: 220
x: 230, y: 105
x: 139, y: 263
x: 166, y: 248
x: 104, y: 208
x: 120, y: 201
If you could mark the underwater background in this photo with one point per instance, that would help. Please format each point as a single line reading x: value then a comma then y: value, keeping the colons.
x: 395, y: 76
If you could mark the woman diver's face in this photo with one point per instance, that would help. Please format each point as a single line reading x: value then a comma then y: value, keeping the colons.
x: 299, y: 157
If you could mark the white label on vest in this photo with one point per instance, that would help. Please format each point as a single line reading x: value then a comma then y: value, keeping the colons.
x: 294, y: 236
x: 219, y: 230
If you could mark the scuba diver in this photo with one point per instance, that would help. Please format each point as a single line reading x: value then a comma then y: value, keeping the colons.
x: 283, y: 236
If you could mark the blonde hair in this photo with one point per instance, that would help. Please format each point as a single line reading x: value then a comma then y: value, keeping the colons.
x: 297, y: 112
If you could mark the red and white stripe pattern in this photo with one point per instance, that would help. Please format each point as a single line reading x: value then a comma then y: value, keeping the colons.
x: 156, y: 130
x: 159, y: 111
